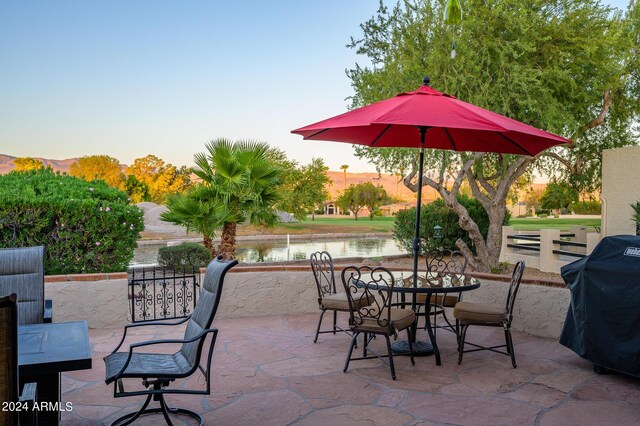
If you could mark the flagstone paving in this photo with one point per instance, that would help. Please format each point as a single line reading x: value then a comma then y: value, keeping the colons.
x: 268, y: 371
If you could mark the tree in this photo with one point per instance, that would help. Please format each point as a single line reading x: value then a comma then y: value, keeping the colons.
x: 527, y: 61
x: 101, y: 167
x: 239, y: 183
x: 558, y: 196
x: 198, y: 212
x: 350, y: 201
x: 532, y: 199
x: 304, y: 189
x: 372, y: 197
x: 24, y: 164
x: 138, y: 191
x: 366, y: 194
x: 161, y: 179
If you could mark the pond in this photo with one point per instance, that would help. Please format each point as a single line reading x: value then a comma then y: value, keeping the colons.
x: 277, y: 251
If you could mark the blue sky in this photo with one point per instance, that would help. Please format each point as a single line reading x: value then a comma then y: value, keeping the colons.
x: 131, y: 78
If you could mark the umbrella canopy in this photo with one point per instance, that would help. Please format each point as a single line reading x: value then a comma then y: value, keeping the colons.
x: 451, y: 123
x: 427, y: 118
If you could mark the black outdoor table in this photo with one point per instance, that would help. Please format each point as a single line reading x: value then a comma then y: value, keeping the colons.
x: 46, y: 350
x: 434, y: 283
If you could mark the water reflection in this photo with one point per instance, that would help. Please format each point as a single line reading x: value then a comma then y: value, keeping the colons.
x: 276, y: 251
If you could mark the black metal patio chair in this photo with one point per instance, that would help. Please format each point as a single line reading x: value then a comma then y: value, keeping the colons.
x: 158, y: 370
x: 449, y: 262
x: 329, y: 299
x: 378, y: 318
x: 471, y: 313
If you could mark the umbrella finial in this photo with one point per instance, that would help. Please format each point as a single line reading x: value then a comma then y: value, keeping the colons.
x: 426, y: 80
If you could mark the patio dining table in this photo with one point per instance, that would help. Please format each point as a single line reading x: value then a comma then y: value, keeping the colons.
x: 429, y: 283
x: 45, y: 351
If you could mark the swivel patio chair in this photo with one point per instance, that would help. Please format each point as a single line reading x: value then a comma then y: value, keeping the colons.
x: 470, y: 313
x: 450, y: 262
x: 379, y: 318
x: 9, y: 383
x: 158, y: 370
x: 22, y: 273
x: 328, y: 298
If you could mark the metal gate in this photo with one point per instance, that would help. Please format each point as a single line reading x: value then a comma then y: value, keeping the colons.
x: 162, y: 293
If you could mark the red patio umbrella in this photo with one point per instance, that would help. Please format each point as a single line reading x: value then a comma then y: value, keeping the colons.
x: 427, y: 118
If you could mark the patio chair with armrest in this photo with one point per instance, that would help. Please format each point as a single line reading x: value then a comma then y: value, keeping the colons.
x: 158, y: 370
x: 9, y: 383
x: 450, y: 262
x: 378, y: 318
x: 329, y: 299
x: 22, y: 273
x: 471, y: 313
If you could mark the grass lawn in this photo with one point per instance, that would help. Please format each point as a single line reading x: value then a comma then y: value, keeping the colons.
x: 535, y: 223
x: 347, y: 225
x: 326, y: 225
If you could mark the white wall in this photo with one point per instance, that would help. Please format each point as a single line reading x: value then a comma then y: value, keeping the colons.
x: 539, y: 310
x: 620, y: 188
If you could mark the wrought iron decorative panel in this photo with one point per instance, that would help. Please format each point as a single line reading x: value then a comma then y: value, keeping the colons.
x: 162, y: 293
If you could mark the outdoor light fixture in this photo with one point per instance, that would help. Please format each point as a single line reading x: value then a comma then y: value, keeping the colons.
x: 437, y: 231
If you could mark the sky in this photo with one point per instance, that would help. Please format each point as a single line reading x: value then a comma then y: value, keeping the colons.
x: 131, y: 78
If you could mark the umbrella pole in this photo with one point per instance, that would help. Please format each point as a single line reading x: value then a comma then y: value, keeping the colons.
x: 416, y: 237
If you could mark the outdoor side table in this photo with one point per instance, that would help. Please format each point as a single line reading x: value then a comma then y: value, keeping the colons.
x: 45, y: 351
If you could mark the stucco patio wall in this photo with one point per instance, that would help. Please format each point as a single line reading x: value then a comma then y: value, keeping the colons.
x: 539, y: 310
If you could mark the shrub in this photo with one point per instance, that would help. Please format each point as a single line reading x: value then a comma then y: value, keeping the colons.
x: 186, y: 255
x: 85, y: 226
x: 436, y: 213
x: 543, y: 212
x: 586, y: 207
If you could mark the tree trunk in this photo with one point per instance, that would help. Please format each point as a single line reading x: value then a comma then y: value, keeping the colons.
x: 208, y: 244
x: 227, y: 248
x: 492, y: 197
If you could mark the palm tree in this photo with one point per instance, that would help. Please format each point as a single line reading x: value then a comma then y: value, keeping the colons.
x: 198, y: 213
x: 240, y: 177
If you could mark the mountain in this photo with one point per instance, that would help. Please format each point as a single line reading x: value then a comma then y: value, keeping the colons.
x: 394, y: 186
x: 6, y: 163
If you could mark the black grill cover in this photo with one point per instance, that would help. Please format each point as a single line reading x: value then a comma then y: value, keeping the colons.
x: 603, y: 321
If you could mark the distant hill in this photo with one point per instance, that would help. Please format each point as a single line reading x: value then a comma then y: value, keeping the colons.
x: 390, y: 183
x: 6, y: 163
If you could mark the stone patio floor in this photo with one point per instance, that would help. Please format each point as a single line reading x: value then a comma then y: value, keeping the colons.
x: 268, y: 371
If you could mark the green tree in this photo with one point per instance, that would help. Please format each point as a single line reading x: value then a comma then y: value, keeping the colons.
x: 558, y: 196
x: 24, y: 164
x: 304, y: 189
x: 372, y: 197
x: 239, y: 183
x: 138, y: 191
x: 524, y: 60
x: 162, y: 179
x: 198, y: 211
x: 102, y: 167
x: 350, y: 201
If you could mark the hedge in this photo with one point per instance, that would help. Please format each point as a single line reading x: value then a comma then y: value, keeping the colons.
x: 437, y: 213
x: 85, y: 226
x: 184, y: 256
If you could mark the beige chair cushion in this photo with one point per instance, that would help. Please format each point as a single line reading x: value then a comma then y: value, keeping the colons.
x: 479, y: 313
x: 400, y: 319
x: 340, y: 302
x: 450, y: 300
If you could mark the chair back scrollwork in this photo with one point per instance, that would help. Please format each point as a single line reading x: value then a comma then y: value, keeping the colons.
x: 375, y: 284
x: 323, y: 272
x: 516, y: 277
x: 447, y: 261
